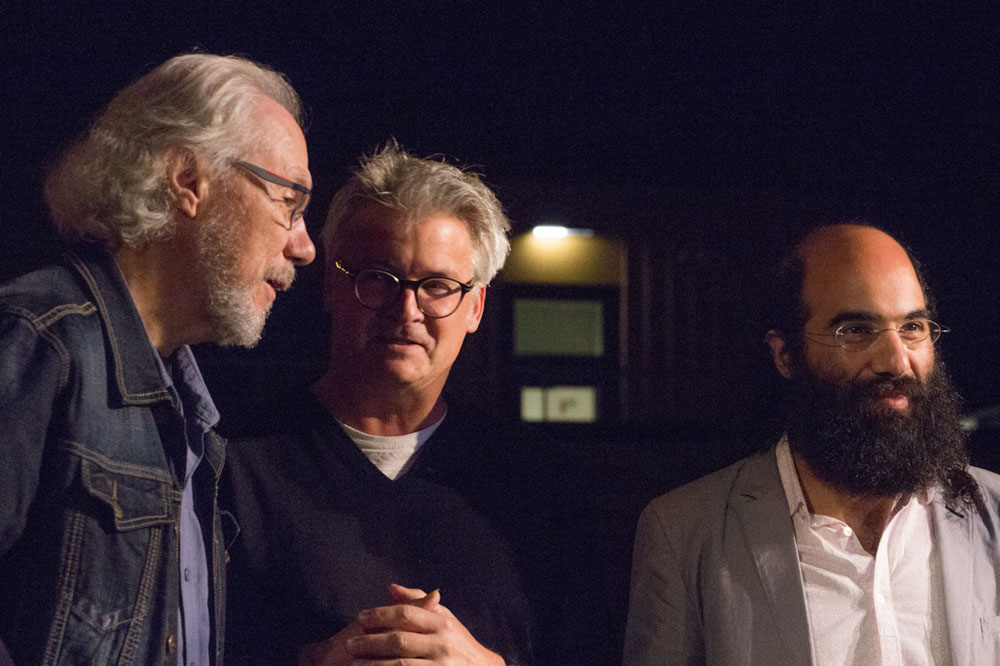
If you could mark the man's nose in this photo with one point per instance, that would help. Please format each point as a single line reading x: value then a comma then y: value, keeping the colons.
x: 890, y: 357
x: 407, y: 302
x: 300, y: 249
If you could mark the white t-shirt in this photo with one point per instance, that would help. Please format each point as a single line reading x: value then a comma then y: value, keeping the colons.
x: 393, y: 455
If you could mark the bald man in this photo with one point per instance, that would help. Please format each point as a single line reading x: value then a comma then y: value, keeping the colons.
x: 863, y: 536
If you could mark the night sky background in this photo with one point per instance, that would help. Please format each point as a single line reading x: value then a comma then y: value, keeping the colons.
x: 595, y: 115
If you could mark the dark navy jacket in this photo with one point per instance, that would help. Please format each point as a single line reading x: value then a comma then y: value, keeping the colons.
x: 93, y: 458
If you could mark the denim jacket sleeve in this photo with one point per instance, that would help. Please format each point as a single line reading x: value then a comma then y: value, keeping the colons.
x: 32, y: 373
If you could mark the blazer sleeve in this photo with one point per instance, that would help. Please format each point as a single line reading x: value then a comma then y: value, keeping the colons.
x: 664, y: 622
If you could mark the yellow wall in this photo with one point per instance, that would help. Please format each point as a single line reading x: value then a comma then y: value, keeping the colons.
x: 572, y: 260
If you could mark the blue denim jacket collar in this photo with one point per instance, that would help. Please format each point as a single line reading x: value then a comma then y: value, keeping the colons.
x: 137, y: 381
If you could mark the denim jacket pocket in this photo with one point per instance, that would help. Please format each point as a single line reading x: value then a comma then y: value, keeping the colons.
x: 115, y: 573
x: 136, y: 497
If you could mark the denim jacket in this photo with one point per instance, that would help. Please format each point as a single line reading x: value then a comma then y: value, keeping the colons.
x: 93, y: 458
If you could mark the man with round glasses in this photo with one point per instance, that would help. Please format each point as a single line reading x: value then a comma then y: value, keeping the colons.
x: 111, y: 542
x: 864, y: 536
x: 373, y: 482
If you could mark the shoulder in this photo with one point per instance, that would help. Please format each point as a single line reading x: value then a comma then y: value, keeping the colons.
x: 989, y: 487
x: 475, y: 450
x: 715, y: 489
x: 989, y: 482
x: 45, y: 297
x: 689, y: 512
x: 268, y: 455
x: 45, y: 318
x: 291, y: 437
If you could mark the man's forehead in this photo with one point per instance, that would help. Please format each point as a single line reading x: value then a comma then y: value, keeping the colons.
x: 381, y: 225
x: 858, y: 269
x: 284, y: 143
x: 377, y: 233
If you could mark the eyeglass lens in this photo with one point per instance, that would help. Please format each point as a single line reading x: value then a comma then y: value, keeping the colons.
x: 436, y: 297
x: 862, y: 335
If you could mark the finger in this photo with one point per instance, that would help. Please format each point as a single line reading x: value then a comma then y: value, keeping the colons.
x: 414, y: 596
x: 394, y: 645
x: 332, y: 651
x: 400, y: 594
x: 405, y: 617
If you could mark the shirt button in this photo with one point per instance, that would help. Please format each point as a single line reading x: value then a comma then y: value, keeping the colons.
x: 187, y: 575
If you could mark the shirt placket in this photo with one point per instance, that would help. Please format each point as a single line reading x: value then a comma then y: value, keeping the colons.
x: 885, y: 615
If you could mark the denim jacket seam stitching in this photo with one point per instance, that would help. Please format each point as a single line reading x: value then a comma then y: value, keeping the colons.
x: 69, y: 557
x: 116, y: 358
x: 129, y: 469
x: 144, y: 594
x: 43, y: 329
x: 91, y: 281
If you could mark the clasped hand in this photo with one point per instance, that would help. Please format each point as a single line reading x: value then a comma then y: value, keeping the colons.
x: 416, y: 629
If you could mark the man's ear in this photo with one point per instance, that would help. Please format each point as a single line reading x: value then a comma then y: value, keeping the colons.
x: 185, y: 179
x: 779, y: 353
x: 476, y: 314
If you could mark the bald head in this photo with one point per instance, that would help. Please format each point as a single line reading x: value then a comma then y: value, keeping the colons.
x: 839, y: 274
x: 856, y: 265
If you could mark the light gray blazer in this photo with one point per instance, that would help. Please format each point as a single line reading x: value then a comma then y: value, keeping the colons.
x: 715, y: 574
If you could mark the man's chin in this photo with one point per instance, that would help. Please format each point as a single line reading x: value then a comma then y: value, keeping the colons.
x: 241, y: 330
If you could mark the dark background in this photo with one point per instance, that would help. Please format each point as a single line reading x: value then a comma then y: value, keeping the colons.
x: 725, y: 127
x: 700, y: 138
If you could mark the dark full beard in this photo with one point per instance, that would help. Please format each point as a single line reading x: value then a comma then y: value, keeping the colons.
x: 859, y: 448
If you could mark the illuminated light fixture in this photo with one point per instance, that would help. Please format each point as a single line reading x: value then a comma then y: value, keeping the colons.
x: 556, y: 231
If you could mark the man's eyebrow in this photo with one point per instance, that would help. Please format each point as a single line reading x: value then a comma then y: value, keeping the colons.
x: 865, y: 315
x: 852, y: 315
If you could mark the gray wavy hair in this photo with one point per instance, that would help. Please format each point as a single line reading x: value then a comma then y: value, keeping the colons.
x: 110, y: 186
x: 419, y: 188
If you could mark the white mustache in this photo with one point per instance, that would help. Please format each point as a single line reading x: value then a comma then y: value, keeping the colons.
x: 282, y: 275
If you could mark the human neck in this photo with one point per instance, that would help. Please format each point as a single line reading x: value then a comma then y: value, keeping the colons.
x: 866, y: 515
x: 151, y: 275
x: 379, y: 411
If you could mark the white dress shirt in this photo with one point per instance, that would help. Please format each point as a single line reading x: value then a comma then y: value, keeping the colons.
x: 886, y: 609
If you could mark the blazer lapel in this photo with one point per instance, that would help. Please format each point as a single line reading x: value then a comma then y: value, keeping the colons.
x: 952, y: 527
x: 760, y: 504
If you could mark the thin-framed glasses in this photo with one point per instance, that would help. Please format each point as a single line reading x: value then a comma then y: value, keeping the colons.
x: 296, y: 203
x: 376, y: 289
x: 860, y: 335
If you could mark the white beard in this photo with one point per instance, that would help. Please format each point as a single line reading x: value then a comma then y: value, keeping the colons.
x: 232, y: 316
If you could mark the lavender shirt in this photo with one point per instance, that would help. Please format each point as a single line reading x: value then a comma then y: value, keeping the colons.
x: 195, y: 405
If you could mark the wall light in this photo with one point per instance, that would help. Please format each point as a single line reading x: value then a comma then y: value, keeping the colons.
x: 556, y: 231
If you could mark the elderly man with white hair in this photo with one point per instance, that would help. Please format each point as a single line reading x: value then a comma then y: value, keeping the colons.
x: 182, y: 211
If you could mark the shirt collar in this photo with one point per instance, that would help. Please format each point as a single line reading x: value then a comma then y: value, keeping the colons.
x: 790, y: 479
x: 184, y: 378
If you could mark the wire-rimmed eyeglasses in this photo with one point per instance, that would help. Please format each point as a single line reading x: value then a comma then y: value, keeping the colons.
x: 860, y: 335
x: 296, y: 202
x: 376, y: 289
